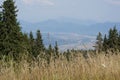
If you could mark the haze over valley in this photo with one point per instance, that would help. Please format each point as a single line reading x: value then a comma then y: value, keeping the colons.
x: 68, y: 32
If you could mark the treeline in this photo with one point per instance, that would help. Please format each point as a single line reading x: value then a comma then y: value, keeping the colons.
x: 14, y: 43
x: 110, y: 42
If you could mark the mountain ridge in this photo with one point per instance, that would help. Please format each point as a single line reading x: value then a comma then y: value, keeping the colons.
x: 70, y: 26
x: 69, y: 33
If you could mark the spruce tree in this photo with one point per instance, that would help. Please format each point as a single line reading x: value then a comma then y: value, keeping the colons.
x: 25, y: 45
x: 32, y: 44
x: 56, y: 54
x: 119, y: 41
x: 11, y: 41
x: 110, y: 39
x: 113, y: 39
x: 1, y: 34
x: 49, y: 53
x: 116, y: 35
x: 31, y: 38
x: 39, y: 46
x: 99, y: 43
x: 105, y: 43
x: 68, y: 55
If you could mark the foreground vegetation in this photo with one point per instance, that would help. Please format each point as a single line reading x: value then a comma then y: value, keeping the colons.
x: 99, y: 67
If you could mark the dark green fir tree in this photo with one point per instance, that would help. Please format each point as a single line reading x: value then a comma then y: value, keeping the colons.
x: 12, y: 37
x: 32, y: 44
x: 105, y: 43
x: 49, y: 53
x: 56, y: 52
x: 39, y: 46
x: 113, y: 39
x: 99, y: 43
x: 119, y: 41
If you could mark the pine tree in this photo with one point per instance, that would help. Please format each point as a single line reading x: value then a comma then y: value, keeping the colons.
x: 39, y: 46
x: 11, y: 41
x: 99, y: 43
x: 1, y: 34
x: 105, y: 43
x: 31, y: 38
x: 49, y: 53
x: 110, y: 38
x: 119, y: 41
x: 113, y: 39
x: 116, y: 35
x: 68, y: 55
x: 56, y: 54
x: 25, y: 45
x: 39, y: 41
x: 32, y: 44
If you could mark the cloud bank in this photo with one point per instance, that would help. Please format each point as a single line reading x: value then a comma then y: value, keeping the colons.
x: 40, y: 2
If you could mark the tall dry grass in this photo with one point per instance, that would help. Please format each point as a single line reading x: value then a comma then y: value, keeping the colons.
x: 93, y: 68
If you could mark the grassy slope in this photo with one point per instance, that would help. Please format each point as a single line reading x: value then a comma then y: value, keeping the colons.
x: 96, y: 68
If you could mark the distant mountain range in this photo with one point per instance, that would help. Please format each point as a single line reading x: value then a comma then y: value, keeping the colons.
x: 70, y: 33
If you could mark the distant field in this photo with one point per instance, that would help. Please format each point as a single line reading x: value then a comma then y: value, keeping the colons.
x: 93, y: 68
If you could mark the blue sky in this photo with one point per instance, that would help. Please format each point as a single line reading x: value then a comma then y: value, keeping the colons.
x: 40, y: 10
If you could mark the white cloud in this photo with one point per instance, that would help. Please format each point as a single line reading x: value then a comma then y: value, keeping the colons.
x: 114, y: 2
x: 40, y: 2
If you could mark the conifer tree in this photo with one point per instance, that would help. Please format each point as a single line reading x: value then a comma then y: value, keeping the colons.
x: 105, y: 43
x: 1, y: 34
x: 113, y: 39
x: 32, y: 44
x: 50, y: 49
x: 68, y: 55
x: 11, y: 41
x: 25, y: 45
x: 99, y: 43
x: 31, y: 38
x: 119, y: 41
x: 56, y: 54
x: 49, y: 53
x: 39, y: 41
x: 39, y: 46
x: 116, y: 36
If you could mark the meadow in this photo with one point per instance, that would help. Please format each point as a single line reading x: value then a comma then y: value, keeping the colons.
x: 97, y: 67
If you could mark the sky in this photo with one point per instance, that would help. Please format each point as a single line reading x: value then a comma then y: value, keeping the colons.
x: 41, y: 10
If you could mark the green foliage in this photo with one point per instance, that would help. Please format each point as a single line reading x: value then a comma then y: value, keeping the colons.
x: 119, y: 42
x: 68, y: 55
x: 99, y: 43
x: 39, y: 41
x: 11, y: 35
x: 1, y: 33
x: 56, y: 53
x: 14, y: 43
x: 32, y: 44
x: 49, y: 53
x: 113, y: 38
x: 105, y: 43
x: 39, y: 46
x: 26, y: 44
x: 112, y: 42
